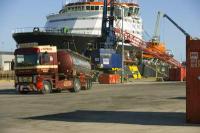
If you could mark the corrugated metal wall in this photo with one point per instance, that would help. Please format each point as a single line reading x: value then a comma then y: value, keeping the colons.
x: 193, y: 81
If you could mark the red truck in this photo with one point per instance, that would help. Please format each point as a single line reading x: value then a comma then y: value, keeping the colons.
x: 45, y: 69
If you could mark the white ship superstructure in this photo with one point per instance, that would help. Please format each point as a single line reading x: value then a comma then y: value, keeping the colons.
x: 85, y: 17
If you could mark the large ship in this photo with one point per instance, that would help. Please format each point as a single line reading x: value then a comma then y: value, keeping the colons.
x: 78, y: 25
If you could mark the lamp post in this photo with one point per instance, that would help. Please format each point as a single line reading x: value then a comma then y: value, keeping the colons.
x: 122, y: 31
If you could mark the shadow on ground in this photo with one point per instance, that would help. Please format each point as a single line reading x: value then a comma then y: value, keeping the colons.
x: 13, y: 92
x: 121, y: 117
x: 7, y: 92
x: 178, y: 98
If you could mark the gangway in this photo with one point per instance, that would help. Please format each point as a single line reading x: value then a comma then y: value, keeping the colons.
x: 142, y: 45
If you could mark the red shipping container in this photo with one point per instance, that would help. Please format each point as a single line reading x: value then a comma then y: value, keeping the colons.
x: 193, y: 81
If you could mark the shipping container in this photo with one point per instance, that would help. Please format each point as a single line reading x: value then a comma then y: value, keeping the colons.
x: 193, y: 81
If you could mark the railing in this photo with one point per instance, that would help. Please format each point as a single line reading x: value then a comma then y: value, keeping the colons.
x: 38, y: 29
x: 53, y: 30
x: 142, y: 45
x: 7, y: 75
x: 75, y: 1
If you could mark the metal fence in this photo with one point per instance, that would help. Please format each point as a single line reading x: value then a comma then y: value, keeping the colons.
x: 7, y: 75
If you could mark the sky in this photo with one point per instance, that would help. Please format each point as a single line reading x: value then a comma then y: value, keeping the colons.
x: 32, y: 13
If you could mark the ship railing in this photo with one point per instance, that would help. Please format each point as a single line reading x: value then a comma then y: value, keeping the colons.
x: 75, y: 1
x: 24, y: 30
x: 40, y: 29
x: 127, y: 1
x: 51, y: 30
x: 52, y: 14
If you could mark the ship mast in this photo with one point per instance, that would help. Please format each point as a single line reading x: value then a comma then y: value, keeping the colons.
x: 108, y: 35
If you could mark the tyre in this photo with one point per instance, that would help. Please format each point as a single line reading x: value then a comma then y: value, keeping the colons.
x: 57, y: 90
x: 22, y: 92
x: 77, y: 85
x: 47, y: 88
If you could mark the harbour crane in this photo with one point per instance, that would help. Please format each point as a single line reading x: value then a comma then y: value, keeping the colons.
x: 156, y: 35
x: 177, y: 26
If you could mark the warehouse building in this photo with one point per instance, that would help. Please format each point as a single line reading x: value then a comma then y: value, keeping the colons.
x: 5, y: 60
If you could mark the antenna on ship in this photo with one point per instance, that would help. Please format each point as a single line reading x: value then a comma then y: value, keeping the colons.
x: 62, y: 3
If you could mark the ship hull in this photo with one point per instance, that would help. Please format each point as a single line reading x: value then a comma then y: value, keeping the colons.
x: 75, y: 42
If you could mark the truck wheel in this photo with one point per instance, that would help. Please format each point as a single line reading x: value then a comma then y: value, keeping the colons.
x: 77, y: 85
x: 47, y: 87
x: 89, y: 84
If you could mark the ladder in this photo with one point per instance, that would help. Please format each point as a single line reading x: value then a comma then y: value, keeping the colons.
x: 142, y: 45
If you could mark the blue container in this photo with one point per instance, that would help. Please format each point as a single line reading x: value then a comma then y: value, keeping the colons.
x: 106, y: 59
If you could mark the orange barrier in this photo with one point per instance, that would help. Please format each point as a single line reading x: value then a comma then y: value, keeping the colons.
x: 109, y: 78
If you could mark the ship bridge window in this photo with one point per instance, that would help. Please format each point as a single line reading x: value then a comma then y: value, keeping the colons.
x: 131, y: 10
x: 87, y: 7
x: 136, y: 11
x: 92, y: 7
x: 79, y: 8
x: 83, y: 7
x: 76, y: 8
x: 96, y: 7
x: 126, y: 12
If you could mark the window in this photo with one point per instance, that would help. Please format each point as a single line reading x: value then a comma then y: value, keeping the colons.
x: 79, y: 8
x: 92, y: 7
x: 83, y: 7
x: 45, y: 58
x: 108, y: 8
x: 131, y: 10
x: 136, y: 11
x: 96, y: 7
x: 27, y: 60
x: 87, y: 7
x: 76, y: 8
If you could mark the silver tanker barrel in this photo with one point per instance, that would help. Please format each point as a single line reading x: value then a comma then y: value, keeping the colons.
x: 71, y: 63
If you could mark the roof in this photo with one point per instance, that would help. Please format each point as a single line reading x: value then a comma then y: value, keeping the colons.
x: 6, y: 53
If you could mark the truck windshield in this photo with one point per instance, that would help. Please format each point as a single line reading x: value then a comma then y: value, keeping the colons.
x: 27, y: 60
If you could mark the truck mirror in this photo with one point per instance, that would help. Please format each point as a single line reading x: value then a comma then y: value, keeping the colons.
x: 12, y: 65
x: 40, y: 59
